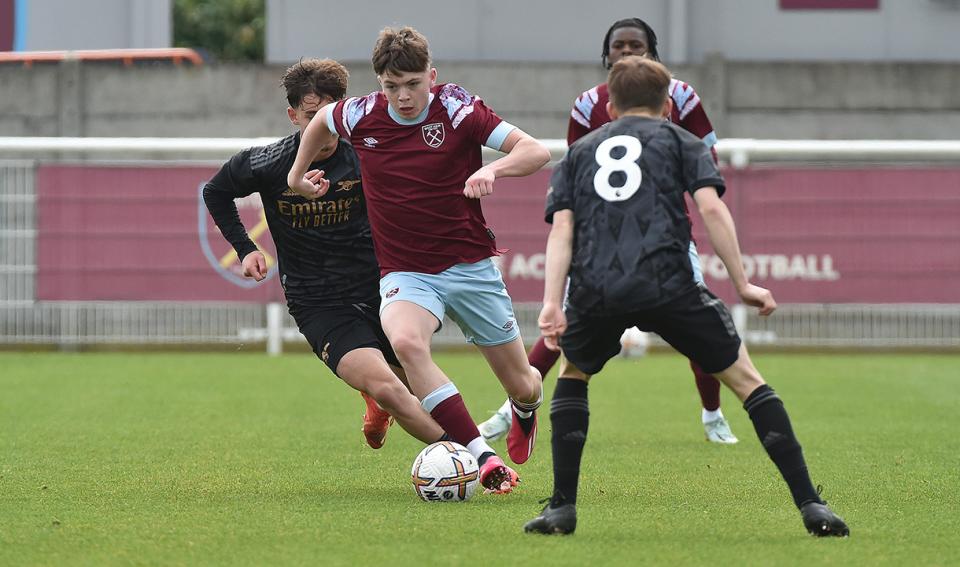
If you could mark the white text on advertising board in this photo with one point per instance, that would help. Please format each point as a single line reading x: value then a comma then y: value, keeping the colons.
x: 779, y: 267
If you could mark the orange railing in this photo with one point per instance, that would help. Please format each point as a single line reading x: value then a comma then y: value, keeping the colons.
x: 128, y: 57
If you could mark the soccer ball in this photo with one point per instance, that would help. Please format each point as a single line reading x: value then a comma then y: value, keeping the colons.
x: 634, y: 343
x: 445, y: 472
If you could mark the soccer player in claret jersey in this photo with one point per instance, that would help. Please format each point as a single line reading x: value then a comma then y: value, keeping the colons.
x: 419, y: 145
x: 327, y: 266
x: 620, y: 231
x: 633, y: 36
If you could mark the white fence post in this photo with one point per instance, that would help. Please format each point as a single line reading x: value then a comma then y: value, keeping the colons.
x: 739, y: 313
x: 274, y: 329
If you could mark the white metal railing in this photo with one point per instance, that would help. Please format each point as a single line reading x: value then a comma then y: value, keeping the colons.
x: 18, y: 236
x: 738, y: 151
x: 69, y: 324
x: 741, y: 151
x: 96, y: 147
x: 26, y: 321
x: 125, y: 322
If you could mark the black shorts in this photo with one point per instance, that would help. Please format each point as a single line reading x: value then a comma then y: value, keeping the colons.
x: 335, y: 330
x: 696, y: 323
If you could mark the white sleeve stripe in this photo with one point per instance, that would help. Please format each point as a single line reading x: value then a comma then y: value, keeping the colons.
x: 681, y: 95
x: 674, y: 85
x: 585, y: 106
x: 576, y: 115
x: 353, y: 111
x: 691, y: 104
x: 461, y: 114
x: 594, y: 94
x: 345, y: 120
x: 331, y: 123
x: 499, y: 135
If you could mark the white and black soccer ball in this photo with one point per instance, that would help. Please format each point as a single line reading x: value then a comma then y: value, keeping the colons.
x: 445, y: 472
x: 634, y: 343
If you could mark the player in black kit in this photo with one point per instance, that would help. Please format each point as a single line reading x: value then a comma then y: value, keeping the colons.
x: 327, y: 265
x: 619, y: 227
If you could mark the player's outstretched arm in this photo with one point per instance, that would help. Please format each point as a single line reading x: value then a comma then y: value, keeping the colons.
x: 723, y: 236
x: 525, y: 155
x: 552, y: 321
x: 232, y: 181
x: 219, y: 196
x: 316, y: 135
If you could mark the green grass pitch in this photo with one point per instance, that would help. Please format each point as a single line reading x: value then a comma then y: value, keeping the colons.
x: 121, y: 459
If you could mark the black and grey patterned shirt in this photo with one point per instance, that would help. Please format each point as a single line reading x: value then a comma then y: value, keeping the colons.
x: 625, y: 184
x: 324, y: 247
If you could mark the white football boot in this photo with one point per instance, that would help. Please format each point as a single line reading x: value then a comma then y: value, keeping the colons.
x: 499, y: 423
x: 718, y: 431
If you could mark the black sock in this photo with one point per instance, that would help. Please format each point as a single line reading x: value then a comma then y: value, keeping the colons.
x: 772, y: 423
x: 483, y: 458
x: 570, y: 416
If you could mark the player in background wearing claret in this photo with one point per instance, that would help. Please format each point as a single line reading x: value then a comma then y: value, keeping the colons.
x: 327, y: 266
x: 633, y: 36
x: 419, y: 145
x: 620, y: 232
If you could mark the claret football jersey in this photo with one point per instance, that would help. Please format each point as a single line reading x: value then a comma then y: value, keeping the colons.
x: 625, y: 184
x: 589, y: 112
x: 414, y: 173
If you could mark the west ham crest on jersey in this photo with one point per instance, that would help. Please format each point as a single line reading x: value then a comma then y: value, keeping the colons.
x: 433, y: 134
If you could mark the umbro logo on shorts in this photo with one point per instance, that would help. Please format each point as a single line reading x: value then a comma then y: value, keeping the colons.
x: 393, y: 292
x: 508, y: 325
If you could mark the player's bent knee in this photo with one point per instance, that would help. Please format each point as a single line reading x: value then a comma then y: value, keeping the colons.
x: 526, y: 390
x: 410, y: 347
x: 360, y: 367
x: 361, y: 360
x: 536, y: 379
x: 389, y: 394
x: 741, y: 377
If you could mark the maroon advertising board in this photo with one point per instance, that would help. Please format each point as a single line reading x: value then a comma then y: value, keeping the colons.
x: 140, y: 233
x: 7, y: 26
x: 824, y: 235
x: 812, y: 235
